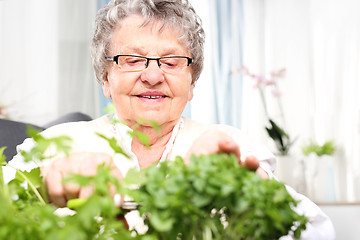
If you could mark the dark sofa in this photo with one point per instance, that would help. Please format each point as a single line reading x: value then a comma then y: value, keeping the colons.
x: 13, y: 133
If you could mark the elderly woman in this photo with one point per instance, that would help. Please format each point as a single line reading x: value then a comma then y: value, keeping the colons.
x: 148, y: 55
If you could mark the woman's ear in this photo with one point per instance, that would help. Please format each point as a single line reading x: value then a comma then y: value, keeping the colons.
x: 191, y: 93
x: 106, y: 87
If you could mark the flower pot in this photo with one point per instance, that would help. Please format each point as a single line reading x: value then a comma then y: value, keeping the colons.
x: 320, y: 178
x: 290, y: 169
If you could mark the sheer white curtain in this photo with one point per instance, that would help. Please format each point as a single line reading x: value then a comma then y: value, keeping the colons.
x: 78, y: 89
x: 45, y: 68
x: 318, y: 42
x: 201, y: 108
x: 217, y: 95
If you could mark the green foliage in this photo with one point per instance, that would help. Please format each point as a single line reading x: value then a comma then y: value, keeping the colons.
x: 114, y: 145
x: 196, y: 201
x: 210, y: 198
x: 143, y: 138
x: 23, y: 216
x: 280, y: 137
x: 110, y: 108
x: 61, y: 144
x: 2, y: 160
x: 328, y: 148
x: 152, y: 123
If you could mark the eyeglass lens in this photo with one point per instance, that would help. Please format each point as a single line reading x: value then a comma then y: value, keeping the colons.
x: 138, y: 63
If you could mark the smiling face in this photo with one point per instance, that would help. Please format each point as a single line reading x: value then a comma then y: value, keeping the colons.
x: 149, y: 94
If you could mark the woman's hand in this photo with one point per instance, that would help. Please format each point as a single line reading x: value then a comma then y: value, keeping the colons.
x: 84, y: 163
x: 215, y: 141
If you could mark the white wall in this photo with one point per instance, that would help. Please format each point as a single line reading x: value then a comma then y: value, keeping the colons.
x: 28, y: 64
x: 346, y: 220
x: 45, y: 66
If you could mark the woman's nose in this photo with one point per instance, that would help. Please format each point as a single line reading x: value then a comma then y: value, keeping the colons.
x: 152, y: 74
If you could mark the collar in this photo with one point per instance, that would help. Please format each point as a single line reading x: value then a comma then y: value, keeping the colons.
x: 122, y: 133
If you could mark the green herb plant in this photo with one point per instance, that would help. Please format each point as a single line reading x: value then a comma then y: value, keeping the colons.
x: 26, y: 214
x: 328, y: 148
x: 212, y: 197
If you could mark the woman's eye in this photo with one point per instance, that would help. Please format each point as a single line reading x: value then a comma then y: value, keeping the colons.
x: 170, y: 62
x: 134, y: 61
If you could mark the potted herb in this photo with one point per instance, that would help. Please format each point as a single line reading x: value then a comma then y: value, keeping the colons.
x: 319, y: 167
x: 328, y: 148
x: 212, y: 197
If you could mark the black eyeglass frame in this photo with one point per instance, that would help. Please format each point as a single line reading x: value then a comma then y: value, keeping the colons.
x: 115, y: 59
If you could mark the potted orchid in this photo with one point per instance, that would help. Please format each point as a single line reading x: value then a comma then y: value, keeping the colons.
x: 281, y: 138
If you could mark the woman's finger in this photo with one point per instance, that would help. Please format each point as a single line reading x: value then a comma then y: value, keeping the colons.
x: 228, y: 145
x: 72, y: 190
x: 250, y: 163
x: 86, y: 192
x: 262, y: 173
x: 55, y: 188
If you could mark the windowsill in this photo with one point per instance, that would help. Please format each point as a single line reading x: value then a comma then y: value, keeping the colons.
x: 338, y: 203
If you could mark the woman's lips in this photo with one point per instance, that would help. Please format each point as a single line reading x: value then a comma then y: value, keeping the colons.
x: 151, y: 96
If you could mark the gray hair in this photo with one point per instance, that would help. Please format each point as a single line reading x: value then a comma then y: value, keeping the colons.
x: 177, y: 13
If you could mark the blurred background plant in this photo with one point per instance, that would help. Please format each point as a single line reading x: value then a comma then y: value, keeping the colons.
x: 320, y: 167
x: 328, y: 148
x: 281, y: 138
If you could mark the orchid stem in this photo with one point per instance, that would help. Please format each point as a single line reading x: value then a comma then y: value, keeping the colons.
x: 262, y: 95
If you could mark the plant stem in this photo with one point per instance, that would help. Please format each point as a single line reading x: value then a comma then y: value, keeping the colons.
x: 3, y: 187
x: 262, y: 96
x: 280, y: 107
x: 33, y: 188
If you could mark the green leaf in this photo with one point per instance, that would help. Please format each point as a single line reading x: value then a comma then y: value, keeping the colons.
x: 76, y: 203
x: 110, y: 108
x: 143, y: 138
x: 79, y: 179
x: 161, y: 223
x: 2, y: 156
x: 114, y: 145
x: 62, y: 144
x: 33, y: 132
x: 152, y: 123
x: 201, y: 200
x: 280, y: 137
x: 2, y: 163
x: 280, y: 195
x: 34, y: 177
x: 34, y: 180
x: 133, y: 176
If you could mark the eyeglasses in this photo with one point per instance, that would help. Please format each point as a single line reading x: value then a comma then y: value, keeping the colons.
x: 134, y: 63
